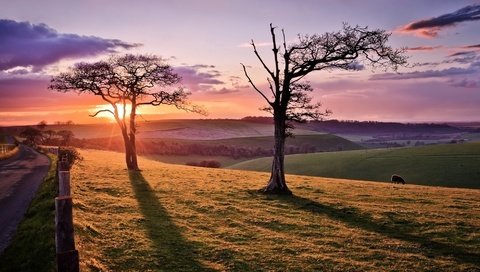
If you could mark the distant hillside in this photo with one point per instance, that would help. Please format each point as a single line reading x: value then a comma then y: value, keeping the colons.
x: 371, y: 128
x: 251, y: 126
x: 245, y: 147
x: 197, y: 129
x: 450, y: 165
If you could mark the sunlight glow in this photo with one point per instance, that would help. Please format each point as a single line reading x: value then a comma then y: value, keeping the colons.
x: 110, y: 116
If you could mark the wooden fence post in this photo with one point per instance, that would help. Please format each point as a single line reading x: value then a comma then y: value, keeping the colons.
x: 63, y: 164
x: 63, y: 183
x: 67, y: 256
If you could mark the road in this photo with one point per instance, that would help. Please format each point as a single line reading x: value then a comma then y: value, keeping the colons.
x: 20, y: 177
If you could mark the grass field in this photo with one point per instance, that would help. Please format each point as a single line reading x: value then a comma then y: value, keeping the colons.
x: 451, y: 165
x: 178, y: 218
x: 183, y: 160
x: 321, y: 142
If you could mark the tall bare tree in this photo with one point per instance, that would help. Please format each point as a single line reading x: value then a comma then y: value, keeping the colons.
x: 128, y: 80
x: 289, y: 99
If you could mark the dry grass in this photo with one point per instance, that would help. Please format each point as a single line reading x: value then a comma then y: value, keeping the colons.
x: 178, y: 218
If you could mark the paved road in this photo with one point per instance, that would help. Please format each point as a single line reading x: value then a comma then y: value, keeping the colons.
x: 20, y: 178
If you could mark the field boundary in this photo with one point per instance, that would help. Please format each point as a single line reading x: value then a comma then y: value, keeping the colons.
x: 66, y: 255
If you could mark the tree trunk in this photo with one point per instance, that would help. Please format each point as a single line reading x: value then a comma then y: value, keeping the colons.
x: 133, y: 154
x: 277, y: 183
x: 128, y: 151
x: 129, y: 140
x: 133, y: 131
x: 131, y: 164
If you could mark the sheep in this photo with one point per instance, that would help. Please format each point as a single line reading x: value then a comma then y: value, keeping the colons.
x: 397, y: 179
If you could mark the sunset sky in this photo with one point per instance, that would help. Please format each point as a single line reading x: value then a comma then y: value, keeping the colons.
x: 207, y: 40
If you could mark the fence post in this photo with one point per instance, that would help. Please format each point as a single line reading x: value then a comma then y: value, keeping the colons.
x: 63, y: 183
x: 64, y: 224
x: 67, y: 256
x: 63, y: 164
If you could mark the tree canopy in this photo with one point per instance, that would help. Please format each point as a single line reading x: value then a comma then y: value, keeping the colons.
x: 288, y: 96
x: 127, y: 80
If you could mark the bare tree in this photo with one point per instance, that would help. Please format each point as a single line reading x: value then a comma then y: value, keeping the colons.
x: 289, y: 99
x: 48, y: 134
x: 67, y: 136
x: 128, y: 80
x: 42, y: 125
x: 33, y: 136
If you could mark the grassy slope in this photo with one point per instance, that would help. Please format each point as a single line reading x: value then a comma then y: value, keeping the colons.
x: 33, y: 246
x: 207, y: 129
x: 453, y: 165
x: 178, y: 218
x: 182, y: 129
x: 183, y: 160
x: 320, y: 141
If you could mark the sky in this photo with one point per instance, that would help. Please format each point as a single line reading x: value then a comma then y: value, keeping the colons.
x: 205, y: 41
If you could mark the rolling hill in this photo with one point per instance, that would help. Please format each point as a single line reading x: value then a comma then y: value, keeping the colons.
x: 450, y: 165
x: 179, y: 218
x: 226, y: 151
x: 196, y: 129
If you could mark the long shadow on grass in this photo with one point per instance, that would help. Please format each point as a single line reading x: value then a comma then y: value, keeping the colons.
x: 395, y: 229
x: 174, y: 253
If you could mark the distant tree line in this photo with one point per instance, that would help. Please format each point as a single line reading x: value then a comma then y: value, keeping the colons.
x: 373, y: 127
x: 206, y: 163
x: 159, y: 147
x: 370, y: 127
x: 39, y: 134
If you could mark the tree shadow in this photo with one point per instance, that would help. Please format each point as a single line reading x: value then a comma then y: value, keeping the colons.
x: 397, y: 229
x: 173, y: 251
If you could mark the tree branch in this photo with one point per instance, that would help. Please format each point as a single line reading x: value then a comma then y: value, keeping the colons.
x: 253, y: 85
x: 276, y: 76
x: 100, y: 111
x: 261, y: 60
x: 270, y: 86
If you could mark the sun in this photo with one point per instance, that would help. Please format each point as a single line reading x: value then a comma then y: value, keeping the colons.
x: 109, y: 115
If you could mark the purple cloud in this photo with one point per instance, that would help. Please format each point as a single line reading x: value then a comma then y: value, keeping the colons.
x: 475, y: 46
x: 424, y: 74
x: 23, y: 44
x: 430, y: 28
x: 196, y: 80
x: 203, y: 78
x: 463, y: 53
x: 200, y: 66
x: 424, y: 48
x: 29, y: 94
x: 465, y: 57
x: 224, y: 91
x: 356, y: 66
x: 465, y: 83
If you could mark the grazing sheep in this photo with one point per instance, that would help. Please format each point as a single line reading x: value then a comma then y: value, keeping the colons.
x: 397, y: 179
